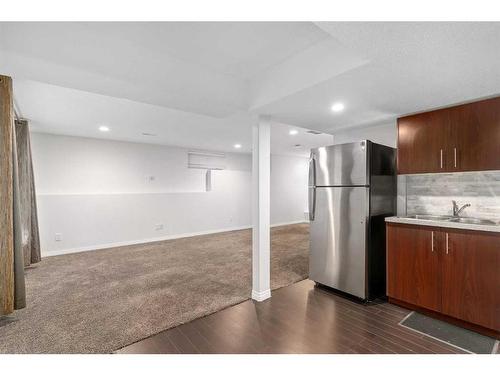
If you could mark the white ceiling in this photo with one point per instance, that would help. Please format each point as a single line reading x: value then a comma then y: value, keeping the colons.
x: 412, y: 67
x: 59, y: 110
x: 201, y: 67
x: 200, y: 84
x: 299, y: 144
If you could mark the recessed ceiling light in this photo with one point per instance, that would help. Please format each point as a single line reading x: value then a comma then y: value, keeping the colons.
x: 237, y: 145
x: 293, y: 132
x: 103, y: 128
x: 337, y: 107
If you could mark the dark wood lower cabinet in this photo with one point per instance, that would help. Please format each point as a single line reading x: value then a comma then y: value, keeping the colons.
x: 413, y: 264
x: 471, y: 278
x: 451, y: 272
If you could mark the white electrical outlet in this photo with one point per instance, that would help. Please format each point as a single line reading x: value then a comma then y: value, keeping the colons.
x: 159, y: 227
x: 58, y: 237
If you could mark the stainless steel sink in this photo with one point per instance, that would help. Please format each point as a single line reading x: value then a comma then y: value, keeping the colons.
x: 465, y: 220
x: 430, y: 217
x: 472, y: 220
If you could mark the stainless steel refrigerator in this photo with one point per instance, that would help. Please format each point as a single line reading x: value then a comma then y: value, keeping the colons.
x: 352, y: 189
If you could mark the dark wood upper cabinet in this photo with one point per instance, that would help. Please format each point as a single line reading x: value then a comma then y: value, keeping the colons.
x: 455, y: 139
x: 421, y: 140
x: 475, y: 141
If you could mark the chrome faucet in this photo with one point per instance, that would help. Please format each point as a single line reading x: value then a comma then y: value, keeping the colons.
x: 456, y: 210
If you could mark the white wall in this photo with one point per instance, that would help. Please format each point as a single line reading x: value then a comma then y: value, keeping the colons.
x: 385, y: 134
x: 98, y: 193
x: 76, y: 165
x: 289, y: 178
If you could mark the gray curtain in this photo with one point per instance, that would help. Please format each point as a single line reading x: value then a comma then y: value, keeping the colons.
x: 19, y: 258
x: 27, y: 197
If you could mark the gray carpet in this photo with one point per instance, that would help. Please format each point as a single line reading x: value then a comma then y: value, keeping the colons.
x: 100, y: 301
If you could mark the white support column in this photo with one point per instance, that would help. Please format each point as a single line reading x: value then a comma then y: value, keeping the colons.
x: 261, y: 209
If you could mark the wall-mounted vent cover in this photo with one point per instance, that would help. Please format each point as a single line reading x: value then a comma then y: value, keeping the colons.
x: 313, y: 132
x: 206, y: 160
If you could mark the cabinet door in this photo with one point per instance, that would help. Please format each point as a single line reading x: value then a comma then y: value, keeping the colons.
x: 412, y: 265
x: 471, y: 278
x: 421, y: 142
x: 475, y: 136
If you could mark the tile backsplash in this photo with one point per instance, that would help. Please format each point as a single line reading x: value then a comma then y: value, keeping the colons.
x: 433, y: 193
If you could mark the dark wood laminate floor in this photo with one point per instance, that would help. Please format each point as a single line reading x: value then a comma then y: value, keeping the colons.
x: 297, y: 319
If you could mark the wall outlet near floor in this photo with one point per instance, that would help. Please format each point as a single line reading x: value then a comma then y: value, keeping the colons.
x: 58, y: 237
x: 159, y: 227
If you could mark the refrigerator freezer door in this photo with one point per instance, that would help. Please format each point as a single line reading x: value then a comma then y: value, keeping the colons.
x: 339, y: 165
x: 338, y: 239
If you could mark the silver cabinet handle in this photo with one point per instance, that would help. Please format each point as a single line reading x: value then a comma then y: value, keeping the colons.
x: 441, y: 156
x: 455, y: 156
x: 447, y: 243
x: 432, y: 241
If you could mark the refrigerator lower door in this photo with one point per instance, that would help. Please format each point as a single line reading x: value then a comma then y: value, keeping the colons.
x: 338, y: 239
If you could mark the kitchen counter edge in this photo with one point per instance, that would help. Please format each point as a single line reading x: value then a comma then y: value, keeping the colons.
x: 443, y: 224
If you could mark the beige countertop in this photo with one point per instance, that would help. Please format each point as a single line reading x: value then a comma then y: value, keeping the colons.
x: 442, y: 224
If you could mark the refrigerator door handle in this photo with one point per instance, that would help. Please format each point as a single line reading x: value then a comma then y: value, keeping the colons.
x: 312, y: 188
x: 312, y: 203
x: 312, y: 172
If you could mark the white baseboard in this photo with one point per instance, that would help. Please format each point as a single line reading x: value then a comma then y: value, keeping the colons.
x: 289, y: 223
x: 261, y: 296
x: 154, y: 239
x: 139, y: 242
